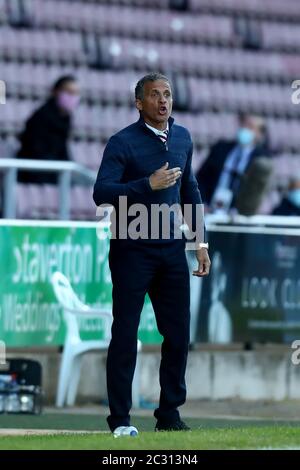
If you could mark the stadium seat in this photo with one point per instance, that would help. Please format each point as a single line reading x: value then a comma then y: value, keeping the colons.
x: 117, y: 52
x: 274, y: 9
x: 108, y: 45
x: 44, y: 46
x: 82, y: 206
x: 87, y: 154
x: 75, y: 311
x: 140, y: 23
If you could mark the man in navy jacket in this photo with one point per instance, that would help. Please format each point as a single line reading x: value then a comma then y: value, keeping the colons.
x: 149, y: 163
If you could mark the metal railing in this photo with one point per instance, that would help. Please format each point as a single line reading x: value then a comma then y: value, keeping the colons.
x: 67, y: 171
x: 260, y: 220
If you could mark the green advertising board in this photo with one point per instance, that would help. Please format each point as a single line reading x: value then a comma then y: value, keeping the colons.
x: 30, y: 252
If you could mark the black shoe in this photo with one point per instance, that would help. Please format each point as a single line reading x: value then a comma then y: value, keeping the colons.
x: 178, y: 425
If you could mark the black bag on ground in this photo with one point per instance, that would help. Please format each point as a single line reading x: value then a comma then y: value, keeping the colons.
x: 21, y: 387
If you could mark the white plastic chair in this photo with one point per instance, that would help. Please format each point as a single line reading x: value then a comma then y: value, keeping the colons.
x: 75, y: 347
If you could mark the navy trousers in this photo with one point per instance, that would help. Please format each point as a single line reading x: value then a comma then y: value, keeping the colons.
x: 160, y: 270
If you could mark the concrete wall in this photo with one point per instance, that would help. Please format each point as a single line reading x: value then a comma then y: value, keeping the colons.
x: 248, y: 375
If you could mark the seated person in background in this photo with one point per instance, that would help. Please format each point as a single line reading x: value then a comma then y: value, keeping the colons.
x: 290, y: 204
x: 220, y: 175
x: 46, y: 133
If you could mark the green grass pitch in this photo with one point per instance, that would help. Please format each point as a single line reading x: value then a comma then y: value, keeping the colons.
x: 206, y: 434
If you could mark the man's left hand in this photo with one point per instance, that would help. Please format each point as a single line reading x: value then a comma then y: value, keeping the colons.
x: 203, y: 263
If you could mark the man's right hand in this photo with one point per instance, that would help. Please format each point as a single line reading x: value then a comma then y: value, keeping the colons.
x: 164, y: 178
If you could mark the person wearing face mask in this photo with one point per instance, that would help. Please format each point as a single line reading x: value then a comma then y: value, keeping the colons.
x: 47, y: 131
x: 290, y: 204
x: 220, y: 176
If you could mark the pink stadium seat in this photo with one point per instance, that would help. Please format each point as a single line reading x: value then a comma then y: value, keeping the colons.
x: 241, y: 96
x: 24, y: 206
x: 41, y: 45
x: 50, y: 196
x: 281, y: 36
x: 88, y: 154
x: 36, y: 200
x: 42, y: 201
x: 82, y: 203
x: 193, y: 59
x: 266, y: 9
x: 108, y: 45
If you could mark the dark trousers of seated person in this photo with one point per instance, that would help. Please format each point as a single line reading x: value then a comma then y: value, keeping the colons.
x: 160, y: 270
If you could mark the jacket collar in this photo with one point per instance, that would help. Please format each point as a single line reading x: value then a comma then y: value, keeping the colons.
x: 141, y: 122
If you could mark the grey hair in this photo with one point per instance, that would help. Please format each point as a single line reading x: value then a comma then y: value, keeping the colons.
x: 150, y: 77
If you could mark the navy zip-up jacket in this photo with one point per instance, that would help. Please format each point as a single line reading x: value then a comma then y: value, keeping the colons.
x: 132, y: 155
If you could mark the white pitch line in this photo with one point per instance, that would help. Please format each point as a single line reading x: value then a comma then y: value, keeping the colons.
x: 44, y: 432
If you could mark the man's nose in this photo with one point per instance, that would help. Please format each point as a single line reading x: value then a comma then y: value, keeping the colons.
x: 163, y: 100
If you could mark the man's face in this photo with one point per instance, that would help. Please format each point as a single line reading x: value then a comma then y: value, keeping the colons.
x: 156, y: 104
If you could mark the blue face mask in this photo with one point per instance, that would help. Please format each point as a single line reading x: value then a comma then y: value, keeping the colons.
x: 294, y: 197
x: 245, y: 136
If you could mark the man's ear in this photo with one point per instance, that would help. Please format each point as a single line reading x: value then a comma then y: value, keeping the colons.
x: 139, y: 105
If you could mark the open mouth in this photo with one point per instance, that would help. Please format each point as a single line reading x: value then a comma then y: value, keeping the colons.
x: 163, y: 110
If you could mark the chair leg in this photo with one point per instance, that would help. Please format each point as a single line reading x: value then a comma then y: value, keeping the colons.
x: 136, y: 384
x: 74, y: 380
x: 64, y: 375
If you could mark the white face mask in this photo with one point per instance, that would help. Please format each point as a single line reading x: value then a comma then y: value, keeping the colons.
x: 245, y: 136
